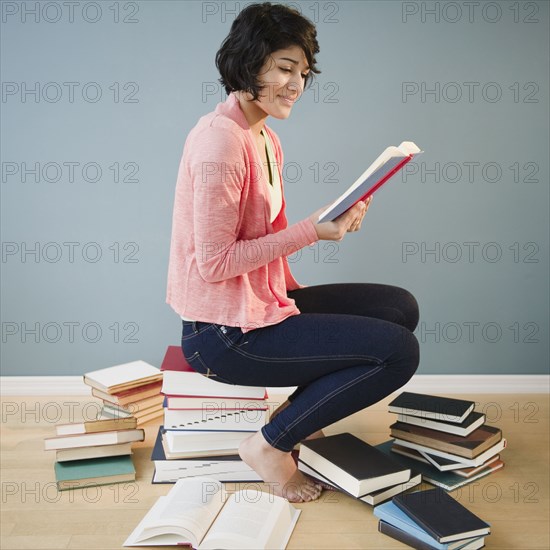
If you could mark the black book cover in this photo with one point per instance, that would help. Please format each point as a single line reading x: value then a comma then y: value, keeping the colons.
x: 441, y: 408
x: 473, y: 417
x: 334, y: 486
x: 402, y: 536
x: 354, y: 456
x: 441, y: 515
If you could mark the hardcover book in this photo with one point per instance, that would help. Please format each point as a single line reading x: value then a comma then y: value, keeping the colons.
x: 92, y: 439
x: 443, y: 517
x: 184, y: 383
x: 96, y: 471
x: 124, y: 398
x: 492, y: 465
x: 444, y: 409
x: 96, y: 451
x: 94, y: 426
x: 379, y: 172
x: 418, y: 544
x: 123, y: 377
x: 175, y: 360
x: 468, y: 446
x: 400, y: 526
x: 352, y: 464
x: 214, y: 404
x: 222, y: 468
x: 245, y: 420
x: 417, y: 537
x: 466, y: 462
x: 135, y: 407
x: 375, y: 497
x: 472, y: 421
x: 199, y: 450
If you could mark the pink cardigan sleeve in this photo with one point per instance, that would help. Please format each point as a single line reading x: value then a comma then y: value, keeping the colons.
x: 218, y: 170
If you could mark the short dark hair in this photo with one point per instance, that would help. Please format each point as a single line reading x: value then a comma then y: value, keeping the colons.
x: 258, y: 31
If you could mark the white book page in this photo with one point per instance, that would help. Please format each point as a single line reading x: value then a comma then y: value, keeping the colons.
x: 187, y: 511
x: 386, y: 155
x: 409, y: 148
x: 247, y: 522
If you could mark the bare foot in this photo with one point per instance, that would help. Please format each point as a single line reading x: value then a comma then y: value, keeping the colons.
x: 282, y: 407
x: 278, y: 469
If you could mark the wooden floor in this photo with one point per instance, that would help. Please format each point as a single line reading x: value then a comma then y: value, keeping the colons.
x: 34, y: 515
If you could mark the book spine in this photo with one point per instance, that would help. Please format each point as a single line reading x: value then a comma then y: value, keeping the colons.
x: 383, y: 180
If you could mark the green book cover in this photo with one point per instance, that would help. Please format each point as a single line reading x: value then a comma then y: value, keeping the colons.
x: 95, y: 470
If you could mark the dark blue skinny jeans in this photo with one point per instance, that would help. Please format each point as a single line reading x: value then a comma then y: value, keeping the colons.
x: 351, y: 346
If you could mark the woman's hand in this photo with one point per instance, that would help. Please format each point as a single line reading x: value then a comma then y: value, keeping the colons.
x: 347, y: 222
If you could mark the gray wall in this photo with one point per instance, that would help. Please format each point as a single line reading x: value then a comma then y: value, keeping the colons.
x: 84, y: 255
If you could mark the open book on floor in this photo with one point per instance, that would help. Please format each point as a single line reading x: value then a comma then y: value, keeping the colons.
x: 379, y: 172
x: 196, y: 513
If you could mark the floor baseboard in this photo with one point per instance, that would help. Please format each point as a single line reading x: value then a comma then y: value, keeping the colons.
x: 421, y: 383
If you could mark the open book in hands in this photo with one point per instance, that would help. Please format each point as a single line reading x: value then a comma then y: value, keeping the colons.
x: 197, y: 513
x: 378, y: 173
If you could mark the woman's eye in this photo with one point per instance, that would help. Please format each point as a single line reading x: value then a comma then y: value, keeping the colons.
x: 286, y: 70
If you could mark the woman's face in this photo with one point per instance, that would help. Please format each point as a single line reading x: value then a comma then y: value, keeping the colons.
x: 282, y: 78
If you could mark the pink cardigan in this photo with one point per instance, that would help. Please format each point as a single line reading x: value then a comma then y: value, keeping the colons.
x: 227, y: 261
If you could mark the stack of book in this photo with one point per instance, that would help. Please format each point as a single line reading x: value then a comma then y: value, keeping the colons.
x: 355, y: 467
x: 431, y: 519
x: 95, y: 452
x: 204, y: 423
x: 446, y: 438
x: 130, y: 389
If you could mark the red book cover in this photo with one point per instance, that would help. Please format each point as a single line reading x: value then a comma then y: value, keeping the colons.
x: 175, y: 360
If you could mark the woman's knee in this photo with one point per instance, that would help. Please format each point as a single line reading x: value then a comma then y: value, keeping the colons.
x: 409, y: 355
x: 408, y: 307
x: 413, y: 354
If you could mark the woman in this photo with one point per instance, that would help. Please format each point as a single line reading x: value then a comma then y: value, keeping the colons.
x: 246, y: 320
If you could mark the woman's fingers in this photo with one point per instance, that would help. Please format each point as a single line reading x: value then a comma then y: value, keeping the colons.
x: 358, y: 219
x: 347, y: 222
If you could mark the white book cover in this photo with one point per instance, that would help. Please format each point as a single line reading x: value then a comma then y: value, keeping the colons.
x: 195, y: 384
x: 121, y: 374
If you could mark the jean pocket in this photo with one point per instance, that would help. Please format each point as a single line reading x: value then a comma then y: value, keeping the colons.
x: 232, y: 337
x: 195, y: 329
x: 198, y: 365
